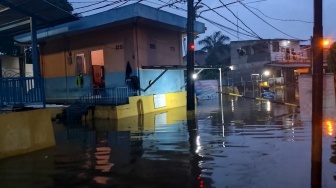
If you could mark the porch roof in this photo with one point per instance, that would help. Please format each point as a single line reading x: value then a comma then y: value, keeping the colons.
x: 15, y: 15
x: 133, y: 13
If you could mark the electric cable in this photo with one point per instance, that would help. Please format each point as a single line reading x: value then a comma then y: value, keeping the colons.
x: 113, y: 3
x: 287, y: 20
x: 267, y: 22
x: 225, y: 28
x: 230, y: 21
x: 239, y: 19
x: 90, y: 5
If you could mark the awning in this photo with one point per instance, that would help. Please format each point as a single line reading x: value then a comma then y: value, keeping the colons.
x: 15, y: 15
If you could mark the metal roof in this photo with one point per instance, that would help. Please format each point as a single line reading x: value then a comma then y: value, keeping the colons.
x: 15, y: 15
x: 132, y: 13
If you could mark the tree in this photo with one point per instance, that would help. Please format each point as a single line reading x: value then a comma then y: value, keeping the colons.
x: 331, y: 61
x: 218, y: 53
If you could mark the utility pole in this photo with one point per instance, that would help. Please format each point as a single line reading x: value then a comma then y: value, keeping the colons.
x: 190, y: 56
x: 317, y: 97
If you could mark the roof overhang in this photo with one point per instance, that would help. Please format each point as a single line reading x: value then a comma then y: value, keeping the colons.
x: 15, y: 15
x: 134, y: 13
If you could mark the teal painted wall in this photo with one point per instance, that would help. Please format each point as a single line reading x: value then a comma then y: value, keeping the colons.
x: 61, y: 89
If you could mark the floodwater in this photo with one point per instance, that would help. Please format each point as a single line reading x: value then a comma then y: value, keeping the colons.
x: 246, y: 143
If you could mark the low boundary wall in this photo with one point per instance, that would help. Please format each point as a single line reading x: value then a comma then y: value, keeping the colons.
x: 24, y: 132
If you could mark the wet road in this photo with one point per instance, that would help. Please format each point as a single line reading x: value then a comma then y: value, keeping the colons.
x: 247, y: 143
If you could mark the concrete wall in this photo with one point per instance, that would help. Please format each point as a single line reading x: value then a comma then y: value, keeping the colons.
x: 139, y: 105
x: 145, y: 123
x: 10, y: 67
x: 23, y: 132
x: 305, y: 92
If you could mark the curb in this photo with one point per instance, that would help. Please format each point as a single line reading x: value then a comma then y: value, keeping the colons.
x: 261, y: 99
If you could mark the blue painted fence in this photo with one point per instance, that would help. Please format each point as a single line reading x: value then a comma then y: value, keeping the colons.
x: 22, y: 90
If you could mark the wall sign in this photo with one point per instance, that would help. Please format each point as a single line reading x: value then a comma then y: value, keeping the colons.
x: 159, y: 100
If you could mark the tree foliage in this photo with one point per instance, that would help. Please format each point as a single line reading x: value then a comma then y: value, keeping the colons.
x: 217, y: 47
x: 331, y: 59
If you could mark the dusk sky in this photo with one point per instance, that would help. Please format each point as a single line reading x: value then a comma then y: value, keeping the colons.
x: 267, y: 19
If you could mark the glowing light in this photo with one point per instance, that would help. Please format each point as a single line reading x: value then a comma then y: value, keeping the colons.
x: 192, y: 47
x: 194, y: 76
x: 329, y: 128
x: 268, y: 106
x: 326, y: 42
x: 198, y: 143
x: 266, y: 73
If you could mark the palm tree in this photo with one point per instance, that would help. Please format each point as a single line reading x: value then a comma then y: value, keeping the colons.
x: 217, y: 48
x: 218, y: 53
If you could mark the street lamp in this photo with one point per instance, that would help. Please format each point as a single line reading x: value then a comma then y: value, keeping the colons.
x: 266, y: 73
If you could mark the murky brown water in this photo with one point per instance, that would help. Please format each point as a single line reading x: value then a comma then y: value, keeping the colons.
x: 247, y: 143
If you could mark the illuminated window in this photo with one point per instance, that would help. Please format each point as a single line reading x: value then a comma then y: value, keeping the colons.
x: 80, y: 64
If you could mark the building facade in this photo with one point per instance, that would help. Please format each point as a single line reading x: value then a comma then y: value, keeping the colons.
x: 284, y: 59
x: 108, y: 48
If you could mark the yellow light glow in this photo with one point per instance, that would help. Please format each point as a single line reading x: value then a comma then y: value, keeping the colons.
x: 326, y: 42
x: 329, y: 128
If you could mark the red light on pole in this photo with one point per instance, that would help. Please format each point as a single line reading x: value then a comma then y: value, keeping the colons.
x: 192, y: 47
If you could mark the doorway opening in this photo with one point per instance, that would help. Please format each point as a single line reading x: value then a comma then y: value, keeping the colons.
x: 98, y: 72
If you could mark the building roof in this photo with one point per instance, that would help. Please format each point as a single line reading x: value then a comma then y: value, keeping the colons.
x: 15, y: 15
x: 132, y: 13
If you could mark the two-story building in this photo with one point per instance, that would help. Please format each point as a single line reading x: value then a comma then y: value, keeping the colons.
x: 284, y: 59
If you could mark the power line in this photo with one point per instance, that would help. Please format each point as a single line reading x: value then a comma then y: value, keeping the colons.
x: 225, y: 28
x: 287, y: 20
x: 230, y: 4
x: 115, y: 2
x: 230, y: 21
x: 239, y: 19
x: 267, y: 22
x: 60, y: 8
x: 91, y: 4
x: 171, y: 4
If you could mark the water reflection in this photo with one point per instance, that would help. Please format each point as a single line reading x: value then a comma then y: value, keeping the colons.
x: 233, y: 142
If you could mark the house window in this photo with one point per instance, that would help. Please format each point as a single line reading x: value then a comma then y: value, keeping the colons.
x: 80, y: 64
x: 275, y: 46
x: 119, y: 47
x: 152, y: 46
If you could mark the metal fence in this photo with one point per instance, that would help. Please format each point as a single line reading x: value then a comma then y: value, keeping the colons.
x: 22, y: 90
x: 104, y: 96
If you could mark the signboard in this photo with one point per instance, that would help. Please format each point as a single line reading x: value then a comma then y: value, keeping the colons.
x: 159, y: 100
x: 268, y: 95
x: 206, y: 89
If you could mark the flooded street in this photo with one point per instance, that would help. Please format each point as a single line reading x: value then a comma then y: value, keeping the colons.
x: 246, y: 143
